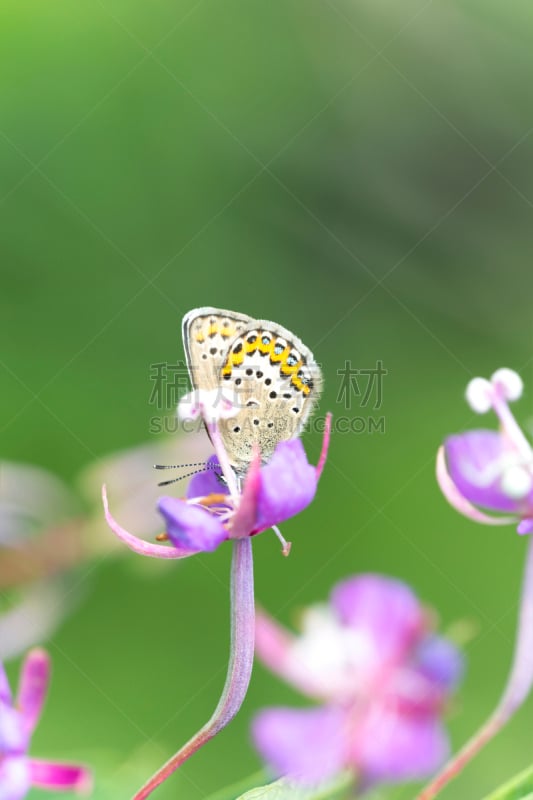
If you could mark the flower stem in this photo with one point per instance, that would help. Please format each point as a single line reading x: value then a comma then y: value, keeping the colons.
x: 239, y: 668
x: 517, y: 689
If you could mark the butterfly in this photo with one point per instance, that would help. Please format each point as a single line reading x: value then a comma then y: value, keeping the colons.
x: 272, y: 376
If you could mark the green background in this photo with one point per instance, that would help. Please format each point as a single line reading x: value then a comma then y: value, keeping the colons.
x: 359, y: 172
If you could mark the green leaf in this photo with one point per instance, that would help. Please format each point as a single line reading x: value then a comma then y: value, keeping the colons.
x: 285, y: 790
x: 236, y: 789
x: 519, y: 788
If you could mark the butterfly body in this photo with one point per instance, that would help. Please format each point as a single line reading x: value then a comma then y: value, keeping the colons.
x: 270, y: 374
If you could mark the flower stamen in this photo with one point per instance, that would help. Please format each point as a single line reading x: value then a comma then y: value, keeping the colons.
x: 504, y: 387
x: 285, y: 545
x: 213, y: 500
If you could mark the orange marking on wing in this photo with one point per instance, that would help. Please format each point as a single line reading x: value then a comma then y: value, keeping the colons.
x: 251, y: 347
x: 265, y: 348
x: 232, y: 360
x: 276, y: 357
x: 297, y: 382
x: 227, y: 331
x: 300, y: 385
x: 236, y: 359
x: 286, y: 369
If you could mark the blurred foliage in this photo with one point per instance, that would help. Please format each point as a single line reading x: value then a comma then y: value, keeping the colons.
x: 231, y: 792
x: 519, y: 788
x: 360, y: 172
x: 285, y: 790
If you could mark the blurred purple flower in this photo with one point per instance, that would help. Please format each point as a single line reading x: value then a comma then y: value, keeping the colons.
x: 18, y: 718
x: 490, y: 469
x: 41, y: 539
x: 382, y: 677
x: 494, y: 470
x: 129, y: 477
x: 32, y: 617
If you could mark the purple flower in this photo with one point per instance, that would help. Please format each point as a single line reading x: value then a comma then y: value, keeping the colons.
x: 18, y: 718
x: 382, y: 679
x: 486, y: 469
x: 493, y: 470
x: 214, y: 511
x: 220, y: 505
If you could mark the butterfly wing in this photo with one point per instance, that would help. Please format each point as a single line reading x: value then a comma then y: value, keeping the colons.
x: 206, y: 334
x: 276, y: 382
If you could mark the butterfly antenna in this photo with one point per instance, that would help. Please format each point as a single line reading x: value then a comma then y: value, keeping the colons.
x: 181, y: 478
x: 178, y: 466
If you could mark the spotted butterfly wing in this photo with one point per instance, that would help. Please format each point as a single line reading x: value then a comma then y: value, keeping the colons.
x: 207, y: 333
x: 276, y: 382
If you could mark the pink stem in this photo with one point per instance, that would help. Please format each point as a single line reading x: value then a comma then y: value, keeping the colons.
x: 239, y: 668
x: 517, y: 689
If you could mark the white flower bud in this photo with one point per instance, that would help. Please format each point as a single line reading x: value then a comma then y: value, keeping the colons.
x: 508, y: 381
x: 479, y: 395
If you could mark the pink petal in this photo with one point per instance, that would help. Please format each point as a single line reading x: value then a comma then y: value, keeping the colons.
x: 288, y: 485
x: 308, y: 745
x: 325, y: 446
x: 243, y: 522
x: 458, y: 501
x: 274, y: 647
x: 207, y: 481
x: 33, y: 687
x: 382, y: 609
x: 14, y: 778
x: 390, y: 746
x: 272, y: 641
x: 191, y: 527
x: 5, y: 691
x: 13, y: 735
x: 476, y: 462
x: 525, y: 527
x: 139, y: 545
x: 64, y: 777
x: 440, y: 661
